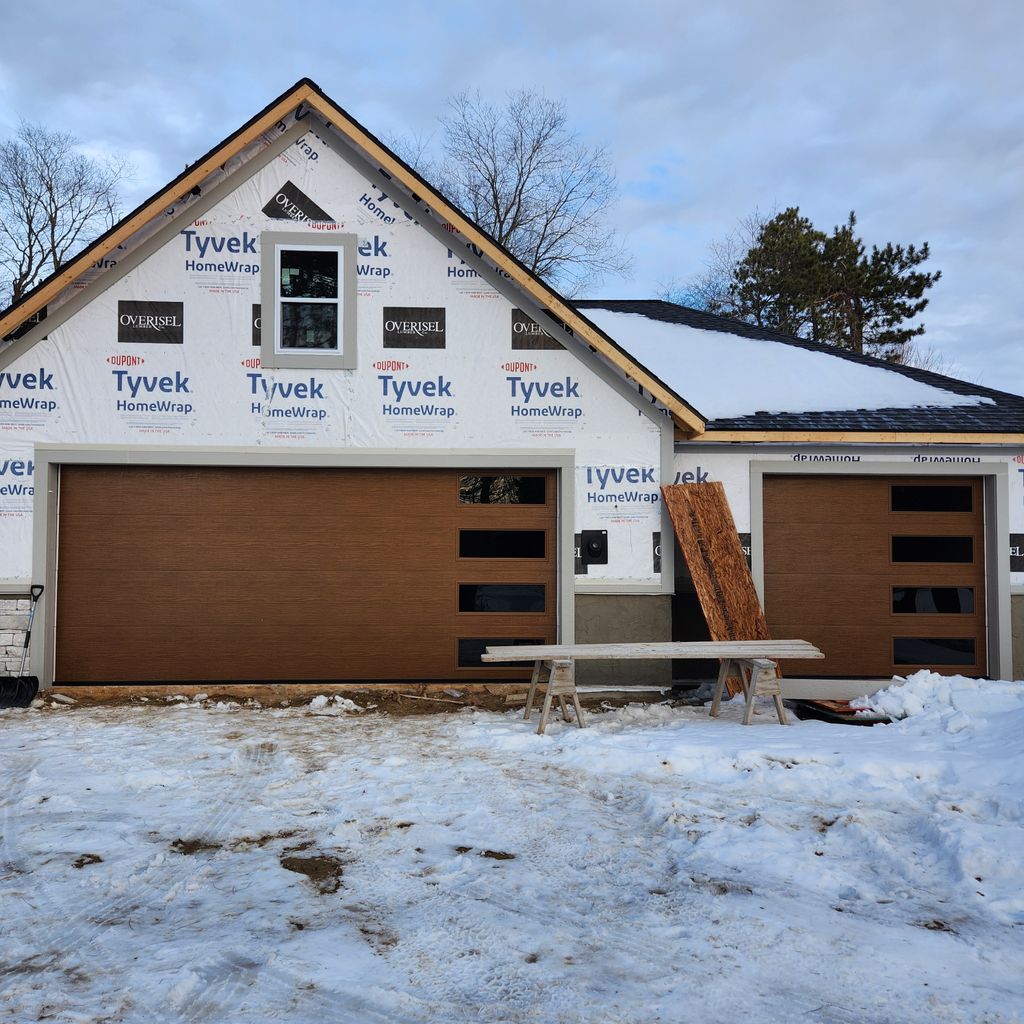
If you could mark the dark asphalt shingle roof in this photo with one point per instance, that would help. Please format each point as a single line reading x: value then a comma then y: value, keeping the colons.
x: 1004, y: 415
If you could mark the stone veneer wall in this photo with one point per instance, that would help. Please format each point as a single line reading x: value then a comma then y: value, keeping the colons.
x: 13, y: 622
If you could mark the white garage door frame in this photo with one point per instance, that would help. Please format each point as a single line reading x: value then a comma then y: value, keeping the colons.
x: 49, y: 459
x: 995, y: 476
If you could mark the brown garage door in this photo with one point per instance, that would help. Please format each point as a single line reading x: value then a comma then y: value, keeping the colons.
x: 885, y: 574
x: 196, y: 574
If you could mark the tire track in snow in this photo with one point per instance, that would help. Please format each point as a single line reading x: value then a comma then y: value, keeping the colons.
x: 66, y: 935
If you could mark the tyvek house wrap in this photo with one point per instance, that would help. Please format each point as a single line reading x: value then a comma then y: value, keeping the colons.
x: 169, y: 355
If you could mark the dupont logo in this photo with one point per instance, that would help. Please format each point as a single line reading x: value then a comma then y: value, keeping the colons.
x: 519, y: 367
x: 125, y: 360
x: 527, y: 334
x: 390, y: 364
x: 253, y: 363
x: 414, y: 327
x: 291, y: 203
x: 1019, y: 459
x: 142, y: 323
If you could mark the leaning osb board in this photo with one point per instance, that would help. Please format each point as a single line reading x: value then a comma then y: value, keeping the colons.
x: 711, y: 546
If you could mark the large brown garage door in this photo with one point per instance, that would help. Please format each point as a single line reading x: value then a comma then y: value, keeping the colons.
x: 885, y: 574
x: 197, y: 574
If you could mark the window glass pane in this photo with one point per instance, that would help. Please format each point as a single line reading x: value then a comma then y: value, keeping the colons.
x: 933, y: 549
x: 501, y: 543
x: 309, y: 273
x: 309, y: 325
x: 501, y: 490
x: 933, y: 600
x: 932, y: 498
x: 915, y: 650
x: 471, y: 648
x: 501, y: 597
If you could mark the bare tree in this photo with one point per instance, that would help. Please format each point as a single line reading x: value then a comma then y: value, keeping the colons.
x: 711, y: 289
x: 530, y: 182
x: 53, y: 201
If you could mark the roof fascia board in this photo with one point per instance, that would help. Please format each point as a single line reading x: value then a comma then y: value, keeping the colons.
x: 172, y: 228
x: 853, y: 437
x: 541, y: 293
x: 506, y: 287
x: 168, y: 196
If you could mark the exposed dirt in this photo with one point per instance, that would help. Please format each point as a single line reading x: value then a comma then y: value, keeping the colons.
x: 188, y: 847
x: 86, y: 858
x: 491, y: 854
x: 387, y: 698
x: 322, y: 870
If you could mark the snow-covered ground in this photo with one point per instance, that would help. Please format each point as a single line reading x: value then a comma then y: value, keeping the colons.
x: 222, y: 863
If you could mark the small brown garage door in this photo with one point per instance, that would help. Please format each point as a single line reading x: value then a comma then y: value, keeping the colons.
x: 885, y: 574
x: 206, y: 574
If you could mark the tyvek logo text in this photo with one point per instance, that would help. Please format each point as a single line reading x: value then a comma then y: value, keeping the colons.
x: 274, y: 392
x: 33, y: 381
x: 528, y: 396
x: 606, y: 477
x: 398, y: 390
x: 17, y: 470
x: 140, y: 385
x: 198, y: 246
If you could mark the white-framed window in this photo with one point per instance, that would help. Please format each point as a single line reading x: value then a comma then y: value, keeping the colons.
x: 308, y: 300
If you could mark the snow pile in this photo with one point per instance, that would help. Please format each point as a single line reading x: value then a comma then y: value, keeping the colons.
x: 323, y: 705
x: 953, y: 698
x: 335, y: 705
x: 726, y: 375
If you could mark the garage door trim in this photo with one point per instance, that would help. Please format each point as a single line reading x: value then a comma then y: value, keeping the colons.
x: 45, y: 503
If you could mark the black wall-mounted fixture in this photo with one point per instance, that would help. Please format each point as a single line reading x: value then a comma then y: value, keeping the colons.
x: 594, y: 547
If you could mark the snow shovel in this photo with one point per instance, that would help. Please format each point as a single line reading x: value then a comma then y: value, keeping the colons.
x: 19, y: 691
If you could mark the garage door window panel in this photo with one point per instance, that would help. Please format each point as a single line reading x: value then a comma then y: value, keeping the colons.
x: 502, y: 543
x: 517, y: 598
x: 938, y: 650
x: 932, y: 498
x: 471, y: 648
x: 308, y: 308
x: 933, y: 600
x: 502, y: 490
x: 933, y: 549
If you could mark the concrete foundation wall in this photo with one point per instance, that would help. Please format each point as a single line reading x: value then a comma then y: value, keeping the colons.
x: 623, y: 618
x: 1017, y: 632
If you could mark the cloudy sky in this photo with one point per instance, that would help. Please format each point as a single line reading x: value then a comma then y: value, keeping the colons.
x: 910, y: 113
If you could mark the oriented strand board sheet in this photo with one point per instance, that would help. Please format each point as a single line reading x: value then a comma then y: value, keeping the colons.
x: 711, y: 546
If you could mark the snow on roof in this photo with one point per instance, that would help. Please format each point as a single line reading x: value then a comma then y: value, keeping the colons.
x: 726, y: 375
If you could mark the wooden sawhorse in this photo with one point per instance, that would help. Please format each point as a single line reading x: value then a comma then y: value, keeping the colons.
x: 759, y: 678
x: 559, y: 680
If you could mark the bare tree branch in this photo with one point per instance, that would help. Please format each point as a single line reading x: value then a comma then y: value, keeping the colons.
x: 54, y: 200
x: 531, y: 183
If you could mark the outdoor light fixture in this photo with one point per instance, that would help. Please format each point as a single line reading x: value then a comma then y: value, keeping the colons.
x: 594, y: 547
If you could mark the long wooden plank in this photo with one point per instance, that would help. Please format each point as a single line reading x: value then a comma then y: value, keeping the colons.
x: 667, y: 649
